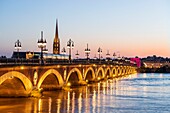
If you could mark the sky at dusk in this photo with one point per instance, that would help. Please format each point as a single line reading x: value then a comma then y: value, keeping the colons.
x: 130, y: 27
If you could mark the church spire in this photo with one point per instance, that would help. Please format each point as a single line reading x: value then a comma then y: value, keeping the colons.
x: 56, y: 29
x: 56, y: 43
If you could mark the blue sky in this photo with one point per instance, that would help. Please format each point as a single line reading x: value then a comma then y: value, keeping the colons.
x: 132, y: 27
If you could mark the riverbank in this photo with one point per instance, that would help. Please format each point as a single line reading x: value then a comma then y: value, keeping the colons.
x: 164, y: 69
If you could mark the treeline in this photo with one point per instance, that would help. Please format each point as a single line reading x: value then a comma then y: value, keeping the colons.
x: 164, y: 69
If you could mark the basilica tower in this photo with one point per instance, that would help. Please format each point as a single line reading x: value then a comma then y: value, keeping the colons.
x: 56, y: 43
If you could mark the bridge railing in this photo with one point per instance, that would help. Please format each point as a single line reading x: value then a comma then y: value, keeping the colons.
x: 14, y: 61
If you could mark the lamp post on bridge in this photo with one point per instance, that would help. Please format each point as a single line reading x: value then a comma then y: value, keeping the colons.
x: 17, y: 47
x: 41, y: 44
x: 108, y: 55
x: 70, y: 45
x: 100, y: 53
x: 64, y: 52
x: 118, y: 55
x: 114, y: 55
x: 77, y: 54
x: 87, y: 52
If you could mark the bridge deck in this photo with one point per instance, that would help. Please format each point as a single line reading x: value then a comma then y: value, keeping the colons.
x: 57, y: 74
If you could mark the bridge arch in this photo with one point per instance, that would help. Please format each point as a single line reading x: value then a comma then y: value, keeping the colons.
x: 127, y: 70
x: 79, y: 75
x: 108, y: 72
x: 48, y: 72
x: 123, y: 70
x: 92, y: 72
x: 26, y: 82
x: 114, y: 71
x: 130, y: 70
x: 119, y: 71
x: 100, y: 73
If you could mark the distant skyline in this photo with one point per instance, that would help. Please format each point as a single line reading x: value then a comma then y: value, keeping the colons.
x: 130, y: 27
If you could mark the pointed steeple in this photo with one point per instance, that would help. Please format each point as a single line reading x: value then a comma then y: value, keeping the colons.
x: 56, y: 43
x: 56, y: 29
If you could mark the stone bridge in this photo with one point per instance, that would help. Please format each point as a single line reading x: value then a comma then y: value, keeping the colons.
x: 21, y: 80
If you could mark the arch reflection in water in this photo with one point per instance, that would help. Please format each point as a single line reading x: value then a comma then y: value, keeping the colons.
x: 93, y: 98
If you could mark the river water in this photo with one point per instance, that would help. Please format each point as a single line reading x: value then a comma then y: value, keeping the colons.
x: 137, y: 93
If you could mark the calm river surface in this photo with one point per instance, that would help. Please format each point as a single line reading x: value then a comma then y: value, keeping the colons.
x: 138, y: 93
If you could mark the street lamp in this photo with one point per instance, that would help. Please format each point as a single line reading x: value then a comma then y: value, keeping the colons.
x: 70, y: 45
x: 114, y: 55
x: 118, y: 55
x: 77, y: 54
x: 64, y: 52
x: 99, y: 52
x: 87, y: 51
x: 108, y: 55
x: 18, y: 47
x: 42, y: 44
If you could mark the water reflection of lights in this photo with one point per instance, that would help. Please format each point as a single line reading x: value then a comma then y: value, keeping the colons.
x: 73, y: 102
x: 131, y: 76
x: 80, y: 102
x: 144, y: 75
x: 98, y: 92
x: 104, y: 86
x: 98, y: 84
x: 68, y: 102
x: 49, y: 104
x: 145, y: 91
x: 94, y: 102
x: 107, y: 87
x: 36, y: 105
x: 127, y: 89
x: 58, y: 101
x: 161, y: 75
x: 86, y: 101
x: 152, y: 75
x: 40, y: 105
x: 111, y: 86
x: 98, y: 96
